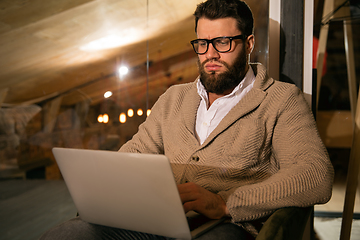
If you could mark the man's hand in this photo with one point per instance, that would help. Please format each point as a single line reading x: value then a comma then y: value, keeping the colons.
x: 200, y: 200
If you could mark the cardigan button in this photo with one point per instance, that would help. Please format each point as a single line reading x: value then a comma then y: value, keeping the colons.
x: 195, y: 158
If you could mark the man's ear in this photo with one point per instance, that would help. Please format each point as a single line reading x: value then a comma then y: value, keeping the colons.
x: 250, y: 43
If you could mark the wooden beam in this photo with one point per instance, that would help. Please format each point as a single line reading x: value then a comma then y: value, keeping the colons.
x: 162, y: 71
x: 3, y: 93
x: 350, y: 64
x: 352, y: 179
x: 81, y: 110
x: 354, y: 162
x: 328, y: 8
x: 51, y: 110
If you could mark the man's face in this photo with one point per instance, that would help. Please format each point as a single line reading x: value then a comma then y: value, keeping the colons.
x: 220, y: 73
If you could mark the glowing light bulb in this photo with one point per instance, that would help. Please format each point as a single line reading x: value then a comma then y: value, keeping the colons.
x: 105, y: 118
x: 130, y: 112
x: 100, y: 118
x: 108, y: 94
x: 148, y: 112
x: 122, y: 118
x: 140, y: 112
x: 123, y: 70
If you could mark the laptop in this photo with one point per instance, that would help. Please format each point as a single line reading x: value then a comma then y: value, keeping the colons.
x: 131, y: 191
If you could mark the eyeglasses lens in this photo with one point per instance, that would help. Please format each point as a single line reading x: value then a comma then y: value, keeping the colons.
x: 220, y: 44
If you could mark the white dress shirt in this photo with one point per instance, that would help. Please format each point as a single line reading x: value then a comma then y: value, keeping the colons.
x: 208, y: 118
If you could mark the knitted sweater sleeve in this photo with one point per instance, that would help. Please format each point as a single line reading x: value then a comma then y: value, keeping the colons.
x: 305, y: 172
x: 151, y: 133
x: 149, y: 138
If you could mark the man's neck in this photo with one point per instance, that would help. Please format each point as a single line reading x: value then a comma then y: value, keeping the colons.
x: 213, y: 96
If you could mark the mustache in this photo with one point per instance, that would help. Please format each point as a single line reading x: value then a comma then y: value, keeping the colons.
x: 213, y: 61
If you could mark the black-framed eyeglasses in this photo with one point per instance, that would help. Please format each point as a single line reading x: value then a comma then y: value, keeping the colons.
x: 221, y: 44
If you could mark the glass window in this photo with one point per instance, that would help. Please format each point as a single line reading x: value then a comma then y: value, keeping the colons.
x: 71, y: 72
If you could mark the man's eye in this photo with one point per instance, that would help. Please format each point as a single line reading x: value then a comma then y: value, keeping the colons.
x: 202, y: 43
x: 222, y: 42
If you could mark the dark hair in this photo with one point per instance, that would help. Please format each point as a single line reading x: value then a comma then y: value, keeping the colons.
x: 215, y: 9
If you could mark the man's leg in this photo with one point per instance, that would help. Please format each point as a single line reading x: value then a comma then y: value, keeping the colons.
x: 76, y: 228
x: 226, y: 231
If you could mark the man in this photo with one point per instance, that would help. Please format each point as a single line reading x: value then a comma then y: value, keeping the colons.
x: 241, y: 144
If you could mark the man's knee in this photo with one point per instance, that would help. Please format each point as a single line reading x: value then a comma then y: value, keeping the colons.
x: 226, y: 231
x: 72, y: 229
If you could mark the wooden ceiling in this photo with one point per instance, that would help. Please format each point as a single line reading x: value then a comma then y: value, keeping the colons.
x: 43, y: 51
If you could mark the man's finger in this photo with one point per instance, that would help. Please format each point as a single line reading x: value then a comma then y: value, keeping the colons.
x: 185, y: 197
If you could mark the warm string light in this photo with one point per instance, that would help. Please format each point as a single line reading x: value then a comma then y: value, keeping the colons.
x: 104, y: 118
x: 107, y: 94
x: 123, y: 70
x: 130, y: 112
x: 122, y: 118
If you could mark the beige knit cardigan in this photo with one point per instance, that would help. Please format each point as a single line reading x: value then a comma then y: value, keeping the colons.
x: 265, y: 154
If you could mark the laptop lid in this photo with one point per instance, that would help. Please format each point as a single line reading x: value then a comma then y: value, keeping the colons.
x: 124, y: 190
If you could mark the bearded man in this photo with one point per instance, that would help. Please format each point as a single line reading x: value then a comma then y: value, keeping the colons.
x: 241, y: 144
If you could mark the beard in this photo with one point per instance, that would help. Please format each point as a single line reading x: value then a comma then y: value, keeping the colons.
x: 228, y: 80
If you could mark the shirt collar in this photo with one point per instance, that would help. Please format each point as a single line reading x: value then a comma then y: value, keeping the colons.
x: 247, y: 80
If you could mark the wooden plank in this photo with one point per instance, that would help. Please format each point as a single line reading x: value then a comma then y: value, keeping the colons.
x: 354, y: 161
x: 3, y: 93
x: 352, y: 179
x: 328, y: 8
x: 17, y: 14
x: 350, y: 64
x: 51, y: 111
x: 81, y: 110
x: 162, y: 74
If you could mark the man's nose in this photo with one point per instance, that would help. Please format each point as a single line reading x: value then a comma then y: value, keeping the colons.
x: 212, y: 53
